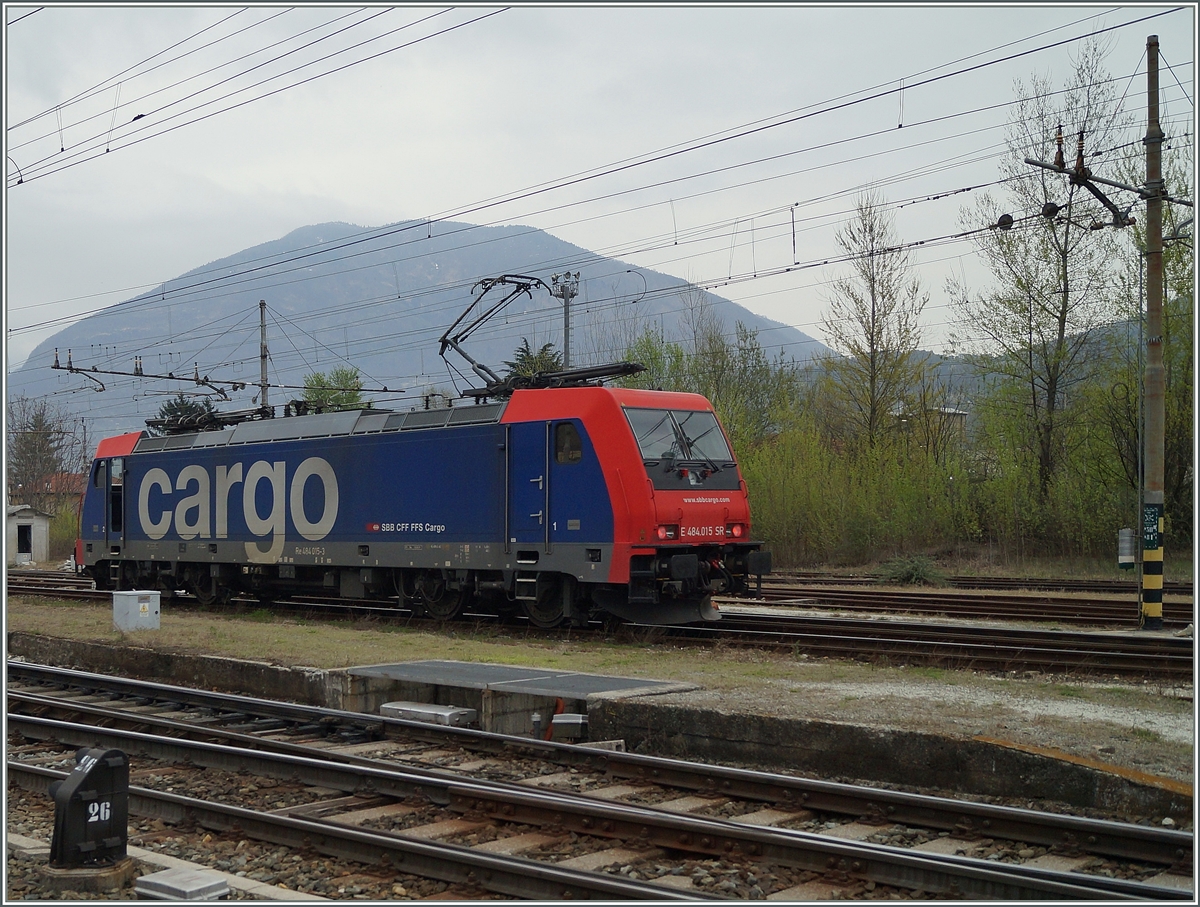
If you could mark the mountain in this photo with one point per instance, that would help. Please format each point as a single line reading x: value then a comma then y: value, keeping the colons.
x: 378, y: 299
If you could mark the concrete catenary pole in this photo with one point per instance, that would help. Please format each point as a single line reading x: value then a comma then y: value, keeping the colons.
x: 1152, y: 507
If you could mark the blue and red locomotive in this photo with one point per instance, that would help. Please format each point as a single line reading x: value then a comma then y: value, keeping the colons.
x: 562, y: 501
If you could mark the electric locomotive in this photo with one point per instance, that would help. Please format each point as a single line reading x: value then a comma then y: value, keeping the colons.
x: 565, y: 502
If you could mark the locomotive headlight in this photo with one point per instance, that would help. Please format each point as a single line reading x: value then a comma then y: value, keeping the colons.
x: 736, y: 530
x: 668, y: 532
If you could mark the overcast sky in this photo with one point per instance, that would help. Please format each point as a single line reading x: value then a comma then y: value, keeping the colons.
x: 466, y: 106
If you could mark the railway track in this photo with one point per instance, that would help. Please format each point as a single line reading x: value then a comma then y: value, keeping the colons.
x: 571, y: 821
x: 781, y: 584
x: 955, y: 646
x: 939, y: 644
x: 1042, y: 608
x: 1015, y: 583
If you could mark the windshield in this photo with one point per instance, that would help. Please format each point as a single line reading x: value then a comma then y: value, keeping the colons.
x: 678, y: 434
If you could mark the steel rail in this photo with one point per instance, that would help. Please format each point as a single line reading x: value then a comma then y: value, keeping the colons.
x: 1055, y: 609
x: 67, y: 593
x: 1032, y: 584
x: 1005, y: 648
x: 510, y: 875
x: 1153, y: 844
x: 959, y: 876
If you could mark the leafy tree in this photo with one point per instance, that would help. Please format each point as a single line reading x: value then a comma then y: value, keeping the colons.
x: 527, y: 363
x: 340, y: 389
x: 180, y: 409
x: 1053, y: 274
x: 666, y: 362
x: 873, y: 322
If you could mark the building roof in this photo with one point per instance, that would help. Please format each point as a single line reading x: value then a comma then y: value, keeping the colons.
x: 14, y: 509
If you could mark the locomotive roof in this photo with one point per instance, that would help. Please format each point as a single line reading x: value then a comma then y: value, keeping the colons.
x: 366, y: 421
x: 326, y: 425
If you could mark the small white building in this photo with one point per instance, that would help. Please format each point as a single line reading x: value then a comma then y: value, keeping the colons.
x: 27, y: 536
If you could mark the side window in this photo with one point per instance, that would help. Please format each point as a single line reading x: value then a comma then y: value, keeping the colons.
x: 101, y: 479
x: 568, y: 446
x: 118, y: 471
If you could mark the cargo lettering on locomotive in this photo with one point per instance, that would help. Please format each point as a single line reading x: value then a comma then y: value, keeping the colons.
x: 193, y: 515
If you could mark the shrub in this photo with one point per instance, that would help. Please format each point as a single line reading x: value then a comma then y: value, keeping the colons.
x: 911, y: 571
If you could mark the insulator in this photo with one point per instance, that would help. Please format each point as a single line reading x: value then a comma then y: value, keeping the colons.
x: 56, y: 365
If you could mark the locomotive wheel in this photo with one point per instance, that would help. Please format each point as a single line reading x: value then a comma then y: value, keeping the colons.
x: 547, y: 612
x: 201, y: 587
x: 99, y: 574
x: 433, y: 597
x: 127, y: 577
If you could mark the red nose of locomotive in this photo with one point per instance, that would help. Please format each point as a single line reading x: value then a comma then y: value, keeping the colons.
x: 695, y: 538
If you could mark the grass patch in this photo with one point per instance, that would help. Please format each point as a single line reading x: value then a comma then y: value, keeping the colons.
x: 929, y: 673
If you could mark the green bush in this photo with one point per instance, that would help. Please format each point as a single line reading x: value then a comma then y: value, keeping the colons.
x: 911, y: 571
x: 64, y: 529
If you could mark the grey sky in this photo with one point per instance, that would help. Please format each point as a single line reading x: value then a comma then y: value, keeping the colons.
x: 526, y: 96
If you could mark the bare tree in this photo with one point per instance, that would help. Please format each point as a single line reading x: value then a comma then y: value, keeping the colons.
x: 936, y: 423
x: 873, y: 323
x: 1053, y: 272
x: 43, y: 444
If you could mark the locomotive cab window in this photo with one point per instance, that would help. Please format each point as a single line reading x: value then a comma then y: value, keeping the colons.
x: 682, y: 449
x: 568, y: 446
x: 679, y: 435
x: 101, y: 477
